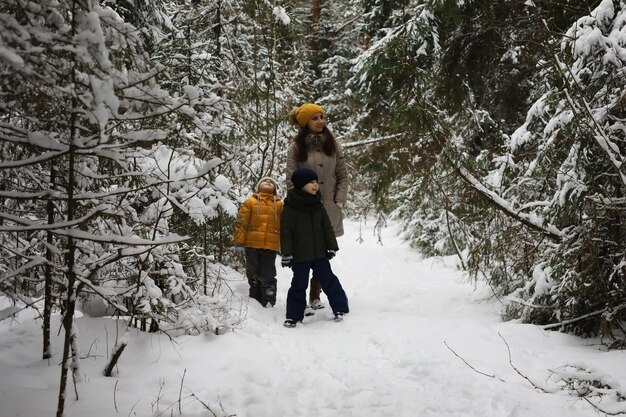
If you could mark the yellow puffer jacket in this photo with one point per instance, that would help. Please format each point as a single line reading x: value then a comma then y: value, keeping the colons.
x: 258, y: 223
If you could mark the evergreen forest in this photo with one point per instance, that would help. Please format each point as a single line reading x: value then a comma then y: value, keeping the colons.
x: 131, y: 130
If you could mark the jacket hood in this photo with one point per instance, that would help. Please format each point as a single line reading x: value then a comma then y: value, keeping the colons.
x: 314, y: 138
x: 265, y: 199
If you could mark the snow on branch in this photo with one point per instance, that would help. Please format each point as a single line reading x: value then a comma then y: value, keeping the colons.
x: 370, y: 141
x: 62, y: 229
x: 29, y: 225
x: 124, y: 240
x: 595, y: 42
x: 40, y: 159
x: 532, y: 221
x: 102, y: 293
x: 611, y: 150
x: 34, y: 263
x: 14, y: 134
x: 598, y: 389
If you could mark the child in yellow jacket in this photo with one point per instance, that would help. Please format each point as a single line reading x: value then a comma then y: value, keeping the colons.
x: 258, y: 230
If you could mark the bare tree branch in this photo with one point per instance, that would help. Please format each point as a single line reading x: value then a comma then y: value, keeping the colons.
x: 465, y: 362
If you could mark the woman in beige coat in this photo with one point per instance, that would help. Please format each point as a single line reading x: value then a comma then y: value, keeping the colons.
x: 315, y: 147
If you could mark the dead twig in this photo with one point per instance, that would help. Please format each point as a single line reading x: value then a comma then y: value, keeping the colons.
x: 180, y: 392
x: 114, y: 395
x: 465, y: 362
x: 508, y: 348
x: 617, y: 413
x: 204, y: 404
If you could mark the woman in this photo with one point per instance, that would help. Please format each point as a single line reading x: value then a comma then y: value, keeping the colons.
x: 315, y: 147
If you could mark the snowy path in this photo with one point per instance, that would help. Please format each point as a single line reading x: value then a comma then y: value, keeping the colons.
x: 386, y: 359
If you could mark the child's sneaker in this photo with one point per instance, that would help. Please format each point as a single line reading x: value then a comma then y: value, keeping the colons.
x: 289, y: 323
x: 339, y: 316
x: 316, y: 304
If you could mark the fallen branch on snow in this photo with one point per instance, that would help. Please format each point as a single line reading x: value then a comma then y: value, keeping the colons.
x: 465, y: 362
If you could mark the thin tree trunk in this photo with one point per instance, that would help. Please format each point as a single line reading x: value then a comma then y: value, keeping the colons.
x: 47, y: 304
x: 316, y: 14
x: 217, y: 31
x: 314, y: 45
x: 205, y: 261
x: 70, y: 302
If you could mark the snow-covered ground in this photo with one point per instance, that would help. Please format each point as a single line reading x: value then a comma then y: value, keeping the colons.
x: 419, y: 341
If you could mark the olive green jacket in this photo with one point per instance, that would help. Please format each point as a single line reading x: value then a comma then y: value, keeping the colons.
x: 305, y: 229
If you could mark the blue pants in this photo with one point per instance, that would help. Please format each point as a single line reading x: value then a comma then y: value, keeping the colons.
x: 296, y: 297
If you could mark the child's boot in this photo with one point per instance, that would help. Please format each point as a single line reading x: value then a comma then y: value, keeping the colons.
x: 339, y: 316
x: 268, y: 296
x: 255, y: 292
x: 289, y: 323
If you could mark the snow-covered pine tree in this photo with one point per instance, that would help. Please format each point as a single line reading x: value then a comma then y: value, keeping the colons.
x: 394, y: 77
x: 339, y: 40
x: 201, y: 207
x: 566, y: 162
x: 451, y: 179
x: 87, y: 134
x: 266, y: 45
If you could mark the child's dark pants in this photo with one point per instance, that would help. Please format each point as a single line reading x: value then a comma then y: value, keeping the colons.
x: 296, y: 297
x: 261, y: 274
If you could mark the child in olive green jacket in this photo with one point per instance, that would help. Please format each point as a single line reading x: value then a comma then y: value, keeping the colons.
x: 308, y: 242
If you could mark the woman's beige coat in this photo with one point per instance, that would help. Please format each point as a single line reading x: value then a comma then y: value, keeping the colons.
x: 332, y: 173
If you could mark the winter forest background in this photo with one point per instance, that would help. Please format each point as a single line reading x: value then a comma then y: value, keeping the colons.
x: 132, y: 129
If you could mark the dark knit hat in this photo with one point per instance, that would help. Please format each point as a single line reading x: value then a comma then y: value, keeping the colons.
x: 302, y: 177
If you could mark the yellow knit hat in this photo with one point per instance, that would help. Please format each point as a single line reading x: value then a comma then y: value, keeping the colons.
x: 301, y: 115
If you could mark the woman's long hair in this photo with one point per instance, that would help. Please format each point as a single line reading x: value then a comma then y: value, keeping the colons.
x: 329, y: 148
